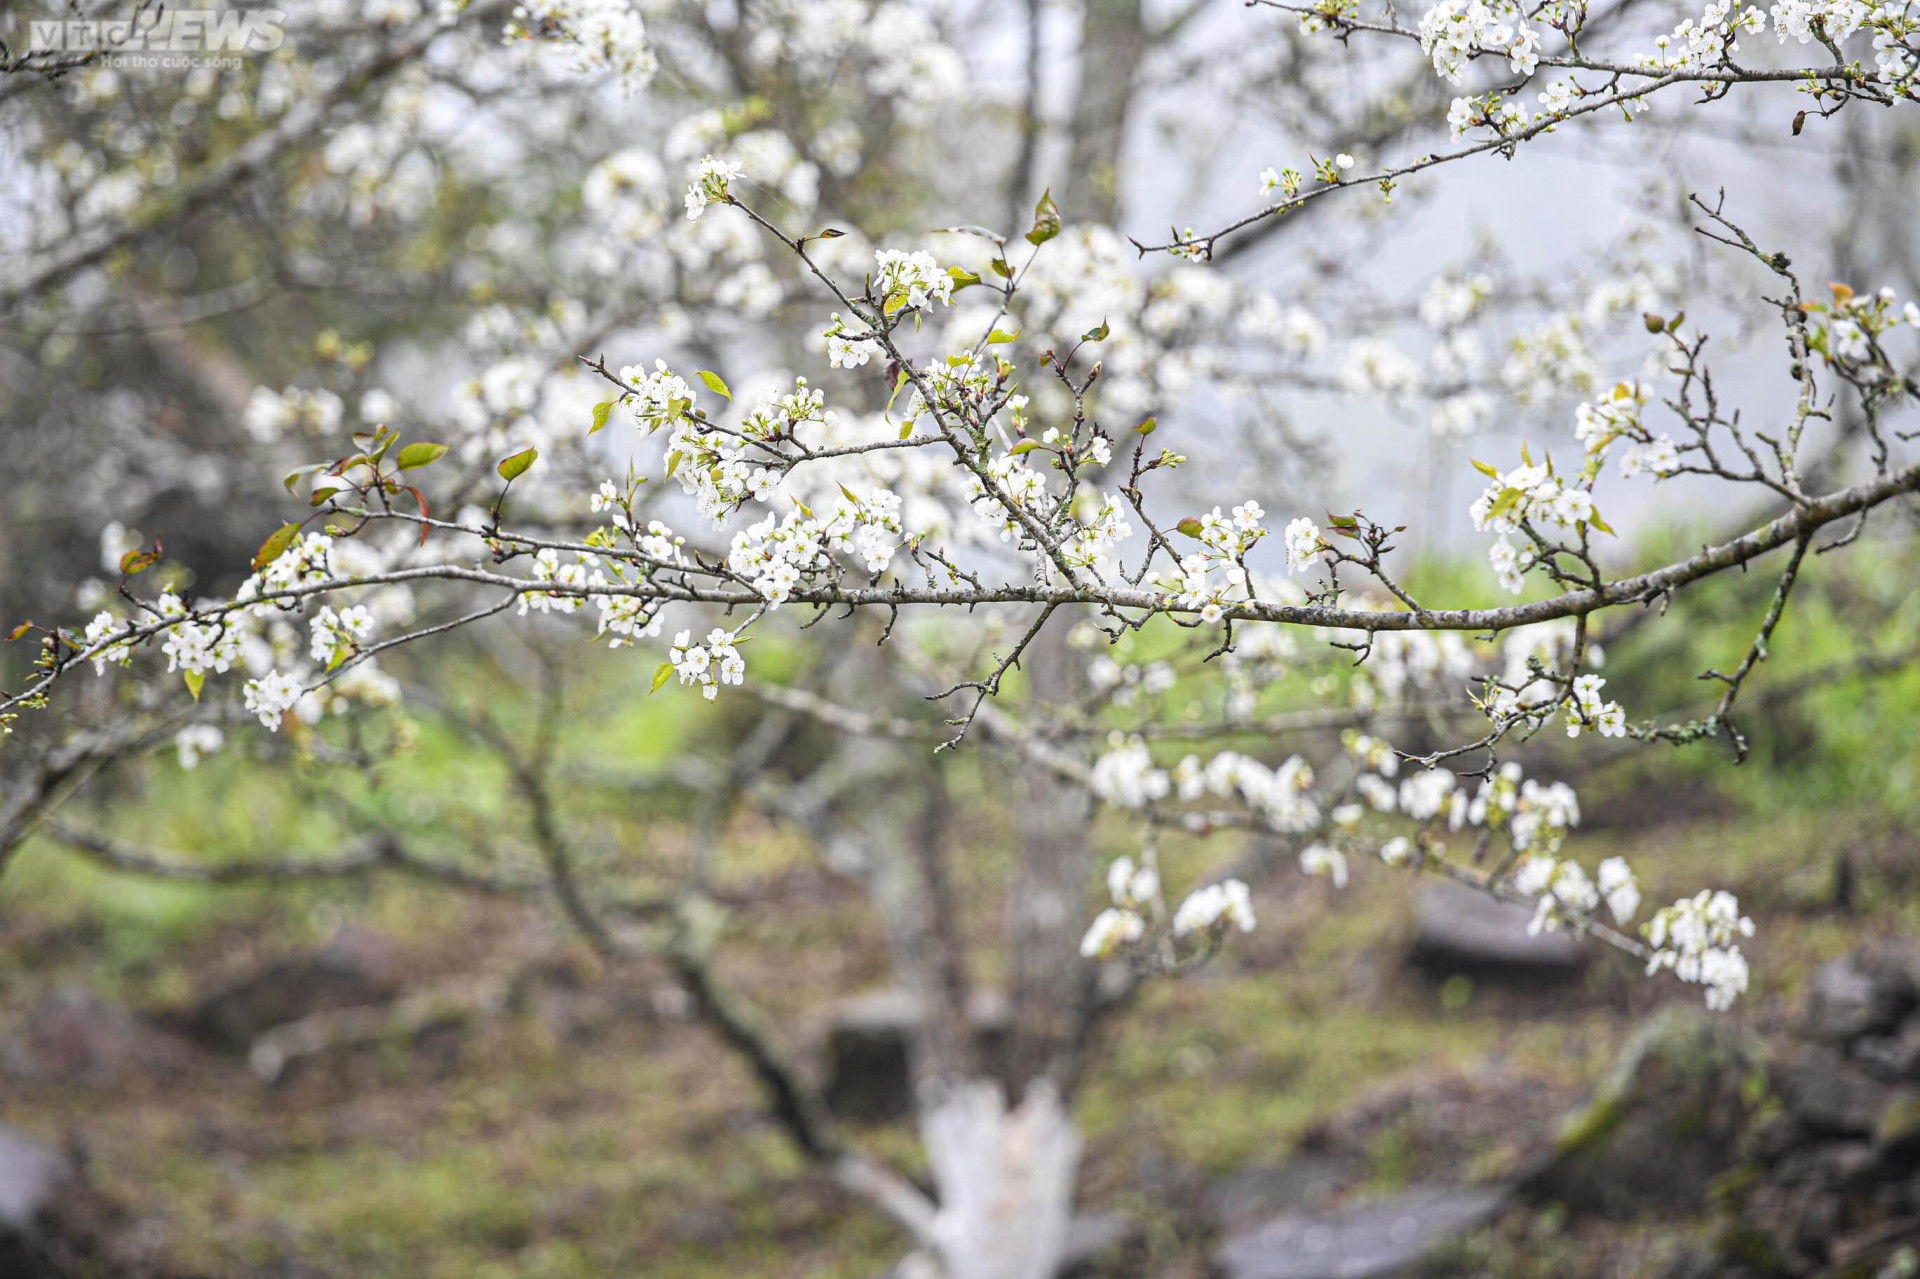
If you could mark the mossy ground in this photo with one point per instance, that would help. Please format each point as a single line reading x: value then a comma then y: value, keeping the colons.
x: 591, y: 1130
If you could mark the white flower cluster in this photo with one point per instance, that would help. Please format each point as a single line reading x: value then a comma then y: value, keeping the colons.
x: 1323, y: 862
x: 338, y: 636
x: 721, y: 471
x: 1451, y: 300
x: 1453, y: 31
x: 197, y: 648
x: 1135, y: 890
x: 962, y: 388
x: 1708, y: 42
x: 848, y: 350
x: 1101, y: 526
x: 660, y: 399
x: 1597, y: 423
x: 1488, y: 110
x: 1224, y: 542
x: 1424, y: 795
x: 1566, y: 898
x: 577, y: 576
x: 1371, y: 752
x: 1304, y: 546
x: 1406, y: 660
x: 604, y: 34
x: 1896, y: 53
x: 708, y: 665
x: 197, y: 741
x: 272, y: 695
x: 1853, y: 325
x: 253, y: 633
x: 1528, y: 493
x: 626, y: 618
x: 908, y: 281
x: 1124, y: 684
x: 1213, y: 908
x: 1520, y: 691
x: 1231, y: 537
x: 102, y: 628
x: 1535, y: 816
x: 1015, y: 482
x: 1803, y: 20
x: 1696, y: 938
x: 1375, y: 368
x: 1586, y: 710
x: 1279, y: 795
x: 775, y: 555
x: 710, y: 185
x: 271, y: 414
x: 1125, y: 774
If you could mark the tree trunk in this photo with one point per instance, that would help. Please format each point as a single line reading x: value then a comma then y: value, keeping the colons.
x: 1113, y: 40
x: 1005, y: 1179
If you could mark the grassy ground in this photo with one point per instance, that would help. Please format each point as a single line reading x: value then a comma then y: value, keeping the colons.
x: 589, y: 1129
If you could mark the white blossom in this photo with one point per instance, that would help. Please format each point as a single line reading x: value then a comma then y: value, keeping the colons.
x: 272, y: 696
x: 1696, y: 938
x: 1111, y: 929
x: 1214, y: 907
x: 711, y: 181
x: 197, y: 741
x: 1324, y: 862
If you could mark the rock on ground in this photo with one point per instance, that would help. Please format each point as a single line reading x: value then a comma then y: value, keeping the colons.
x: 1458, y: 930
x: 1383, y: 1237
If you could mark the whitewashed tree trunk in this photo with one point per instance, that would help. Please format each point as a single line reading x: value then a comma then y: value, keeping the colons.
x: 1005, y: 1179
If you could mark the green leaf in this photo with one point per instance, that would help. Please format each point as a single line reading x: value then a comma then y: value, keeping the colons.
x: 1600, y: 524
x: 515, y: 465
x: 1190, y: 526
x: 998, y: 338
x: 1147, y: 427
x: 661, y: 675
x: 1024, y: 446
x: 906, y: 430
x: 851, y: 496
x: 715, y: 385
x: 196, y: 680
x: 1098, y: 333
x: 1486, y: 470
x: 136, y: 561
x: 895, y: 303
x: 601, y: 412
x: 962, y: 277
x: 19, y: 630
x: 420, y: 453
x: 275, y: 546
x: 1001, y: 269
x: 1046, y: 220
